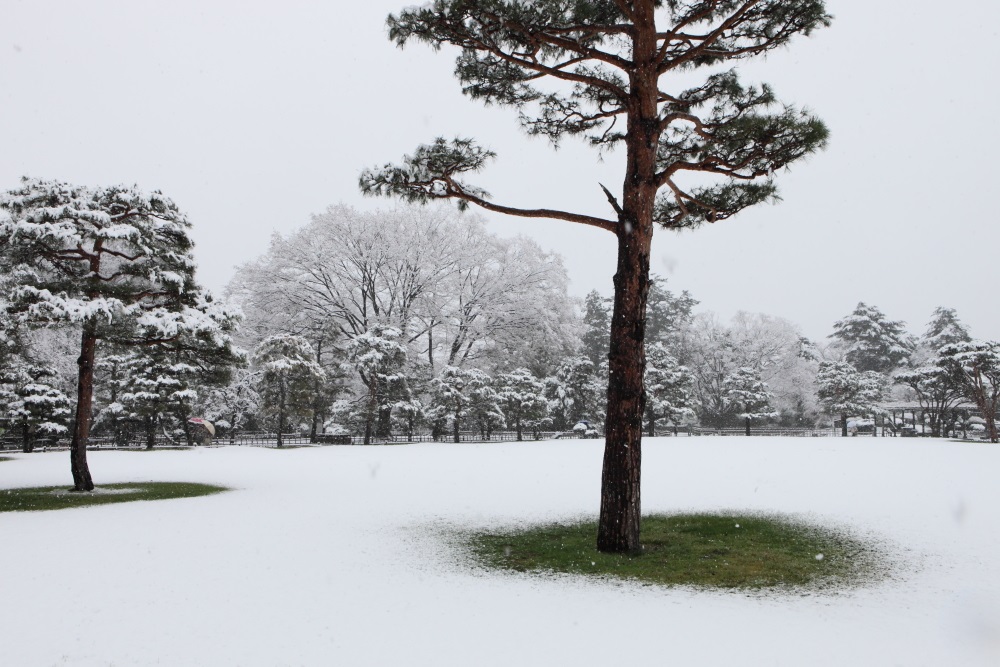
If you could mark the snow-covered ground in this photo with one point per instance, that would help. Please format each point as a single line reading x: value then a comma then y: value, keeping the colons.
x: 333, y: 556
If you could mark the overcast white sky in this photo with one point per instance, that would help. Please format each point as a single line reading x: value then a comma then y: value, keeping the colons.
x: 254, y: 115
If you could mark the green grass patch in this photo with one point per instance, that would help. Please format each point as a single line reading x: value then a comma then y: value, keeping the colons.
x: 57, y: 497
x: 744, y: 551
x: 5, y: 458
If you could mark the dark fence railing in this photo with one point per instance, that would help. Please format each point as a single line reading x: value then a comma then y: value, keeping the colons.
x: 269, y: 439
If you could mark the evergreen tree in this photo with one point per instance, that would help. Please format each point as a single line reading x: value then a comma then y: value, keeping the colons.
x: 872, y: 341
x: 748, y: 396
x: 939, y: 388
x: 378, y: 358
x: 484, y: 403
x: 668, y: 388
x: 616, y: 74
x: 32, y: 404
x: 575, y: 393
x: 232, y: 406
x: 522, y: 400
x: 666, y: 313
x: 596, y: 336
x: 153, y: 389
x: 977, y: 364
x: 287, y: 372
x: 843, y: 390
x: 114, y: 261
x: 450, y: 398
x: 944, y: 329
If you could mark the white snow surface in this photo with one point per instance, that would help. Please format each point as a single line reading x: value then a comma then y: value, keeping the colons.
x: 335, y: 556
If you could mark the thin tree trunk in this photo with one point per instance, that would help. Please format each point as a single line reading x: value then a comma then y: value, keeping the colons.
x: 82, y: 480
x: 281, y: 415
x: 748, y: 426
x: 150, y: 432
x: 843, y: 424
x: 27, y: 441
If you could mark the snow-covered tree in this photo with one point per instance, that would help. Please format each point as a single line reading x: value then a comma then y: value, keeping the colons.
x: 871, y: 341
x: 32, y: 404
x: 977, y: 364
x: 378, y: 357
x: 596, y: 336
x: 843, y: 390
x: 938, y: 388
x: 669, y: 386
x: 450, y: 399
x: 154, y: 390
x: 522, y: 400
x: 407, y: 414
x: 666, y: 312
x: 770, y: 346
x: 484, y: 403
x: 232, y: 406
x: 576, y: 393
x: 945, y: 329
x: 287, y: 372
x: 748, y: 396
x: 115, y: 262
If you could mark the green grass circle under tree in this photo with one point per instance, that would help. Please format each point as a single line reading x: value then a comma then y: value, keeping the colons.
x: 57, y: 497
x: 746, y: 551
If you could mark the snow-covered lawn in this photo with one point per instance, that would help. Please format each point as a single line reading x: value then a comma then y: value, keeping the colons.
x: 332, y: 556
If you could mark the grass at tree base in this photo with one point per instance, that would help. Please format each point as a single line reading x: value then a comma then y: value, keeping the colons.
x: 731, y: 550
x: 58, y: 497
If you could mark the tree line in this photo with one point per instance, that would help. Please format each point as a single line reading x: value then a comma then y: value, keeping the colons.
x: 407, y: 321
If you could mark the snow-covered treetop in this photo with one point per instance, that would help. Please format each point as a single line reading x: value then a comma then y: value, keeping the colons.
x: 873, y: 342
x: 945, y: 329
x: 116, y: 258
x: 842, y: 389
x: 285, y: 354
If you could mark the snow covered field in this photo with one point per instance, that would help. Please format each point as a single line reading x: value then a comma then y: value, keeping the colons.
x: 332, y: 556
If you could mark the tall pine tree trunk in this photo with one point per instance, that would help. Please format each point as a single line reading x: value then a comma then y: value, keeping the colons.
x: 82, y: 480
x: 618, y: 526
x: 748, y: 426
x: 618, y: 530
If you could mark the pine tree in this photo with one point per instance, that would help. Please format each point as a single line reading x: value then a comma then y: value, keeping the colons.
x: 522, y: 399
x: 668, y: 388
x: 944, y: 329
x: 233, y: 405
x: 843, y: 390
x: 287, y: 372
x: 618, y: 71
x: 450, y: 398
x: 748, y: 396
x: 939, y: 388
x: 32, y: 404
x: 378, y: 357
x: 872, y: 341
x: 666, y: 312
x: 596, y: 336
x: 977, y: 364
x: 114, y: 261
x: 575, y: 393
x: 484, y: 403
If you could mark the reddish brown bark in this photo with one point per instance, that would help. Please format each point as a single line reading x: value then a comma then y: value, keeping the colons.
x: 618, y: 526
x: 82, y: 480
